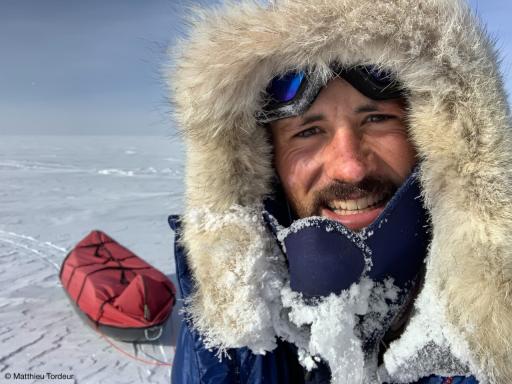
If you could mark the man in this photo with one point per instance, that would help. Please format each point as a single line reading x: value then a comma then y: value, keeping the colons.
x: 348, y: 196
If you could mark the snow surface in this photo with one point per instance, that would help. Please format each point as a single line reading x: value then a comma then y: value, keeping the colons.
x: 54, y: 191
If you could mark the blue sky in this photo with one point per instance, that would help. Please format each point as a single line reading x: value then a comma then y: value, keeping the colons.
x: 94, y: 66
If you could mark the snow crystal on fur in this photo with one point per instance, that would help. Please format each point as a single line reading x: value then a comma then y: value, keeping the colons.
x: 244, y: 273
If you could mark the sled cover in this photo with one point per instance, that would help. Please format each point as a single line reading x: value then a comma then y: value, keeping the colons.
x: 113, y: 286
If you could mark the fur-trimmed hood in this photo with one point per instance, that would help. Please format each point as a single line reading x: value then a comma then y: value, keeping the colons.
x: 459, y: 122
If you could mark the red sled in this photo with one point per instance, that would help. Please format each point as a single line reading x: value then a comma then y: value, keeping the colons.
x: 115, y: 290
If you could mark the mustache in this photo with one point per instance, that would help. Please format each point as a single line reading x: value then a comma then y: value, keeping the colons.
x: 339, y: 190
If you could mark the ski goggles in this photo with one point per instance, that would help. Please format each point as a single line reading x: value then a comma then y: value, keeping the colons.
x: 292, y: 93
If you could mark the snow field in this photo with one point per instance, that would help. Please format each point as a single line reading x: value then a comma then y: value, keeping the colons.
x: 54, y: 191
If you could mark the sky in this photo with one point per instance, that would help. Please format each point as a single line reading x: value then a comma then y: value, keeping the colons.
x: 95, y: 66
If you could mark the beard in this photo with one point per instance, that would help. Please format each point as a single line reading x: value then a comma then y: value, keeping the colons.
x: 339, y: 190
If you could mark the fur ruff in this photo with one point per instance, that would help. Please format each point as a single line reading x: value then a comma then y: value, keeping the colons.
x: 459, y: 122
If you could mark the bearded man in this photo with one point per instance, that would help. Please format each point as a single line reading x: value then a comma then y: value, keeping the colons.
x: 348, y: 206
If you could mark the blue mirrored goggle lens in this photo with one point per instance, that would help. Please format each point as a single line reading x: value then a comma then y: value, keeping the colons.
x: 285, y: 88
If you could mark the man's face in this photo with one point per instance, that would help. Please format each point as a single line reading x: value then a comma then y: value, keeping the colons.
x: 344, y: 157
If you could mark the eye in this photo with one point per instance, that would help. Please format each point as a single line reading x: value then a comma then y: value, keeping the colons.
x: 308, y: 132
x: 378, y: 118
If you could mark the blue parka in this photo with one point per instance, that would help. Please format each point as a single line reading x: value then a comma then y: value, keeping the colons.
x: 195, y: 364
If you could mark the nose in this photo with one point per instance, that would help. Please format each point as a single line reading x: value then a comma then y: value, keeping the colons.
x: 344, y: 156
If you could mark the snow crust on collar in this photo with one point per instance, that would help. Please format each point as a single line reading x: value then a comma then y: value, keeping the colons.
x: 459, y: 121
x: 251, y: 272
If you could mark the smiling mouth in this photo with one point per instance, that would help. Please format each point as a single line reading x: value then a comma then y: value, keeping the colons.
x: 362, y: 204
x: 358, y: 212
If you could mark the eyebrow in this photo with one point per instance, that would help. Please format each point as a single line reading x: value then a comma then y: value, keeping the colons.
x: 312, y: 118
x: 365, y: 108
x: 370, y: 107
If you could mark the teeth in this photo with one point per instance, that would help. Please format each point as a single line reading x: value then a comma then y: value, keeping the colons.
x: 348, y: 207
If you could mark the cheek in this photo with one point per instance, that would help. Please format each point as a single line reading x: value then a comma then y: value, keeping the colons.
x: 296, y: 171
x: 398, y: 155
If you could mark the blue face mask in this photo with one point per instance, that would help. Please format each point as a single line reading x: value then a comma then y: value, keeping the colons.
x: 325, y: 257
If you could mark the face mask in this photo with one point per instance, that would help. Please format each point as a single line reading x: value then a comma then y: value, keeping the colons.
x: 324, y: 257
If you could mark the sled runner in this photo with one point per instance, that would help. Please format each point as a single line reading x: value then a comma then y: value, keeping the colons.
x: 115, y: 291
